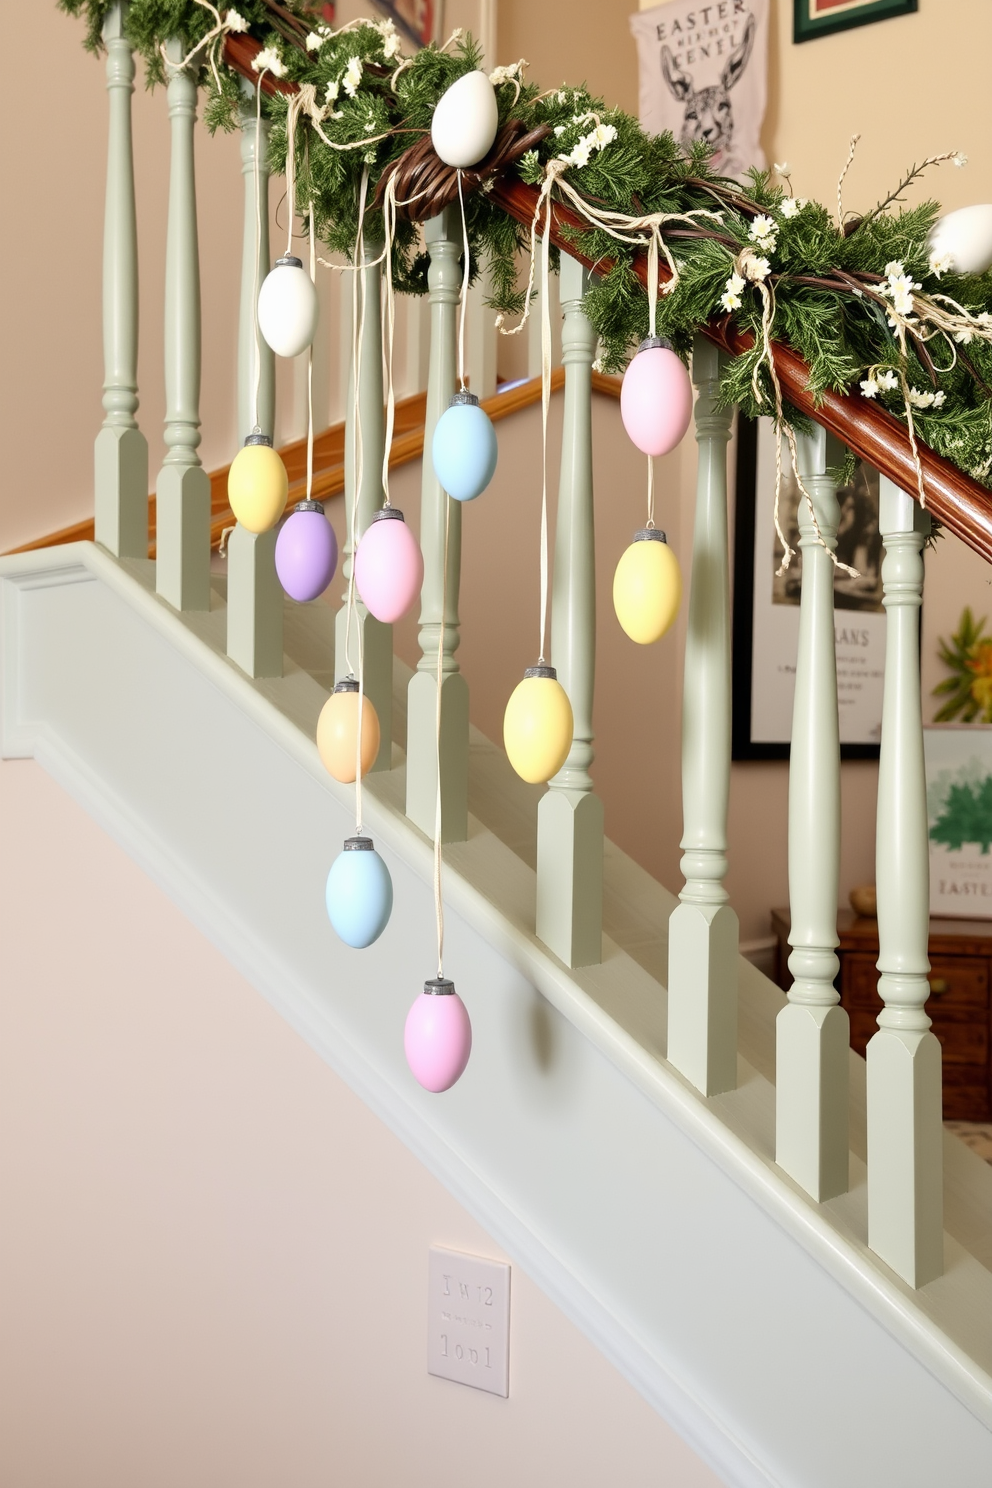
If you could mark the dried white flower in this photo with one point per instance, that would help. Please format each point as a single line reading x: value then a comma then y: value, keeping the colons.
x: 941, y: 263
x: 869, y: 387
x: 755, y: 268
x: 597, y: 365
x: 984, y: 319
x: 269, y: 60
x: 735, y: 284
x: 964, y: 338
x: 391, y: 42
x: 508, y: 74
x: 926, y: 400
x: 793, y: 205
x: 730, y: 301
x: 352, y: 76
x: 597, y: 139
x: 603, y: 135
x: 235, y: 22
x: 560, y: 128
x: 888, y: 381
x: 332, y: 91
x: 899, y: 289
x: 894, y: 268
x: 785, y: 169
x: 959, y: 160
x: 763, y: 232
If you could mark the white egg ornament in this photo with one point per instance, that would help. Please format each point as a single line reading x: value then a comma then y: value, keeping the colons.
x: 287, y: 308
x: 965, y: 237
x: 465, y: 121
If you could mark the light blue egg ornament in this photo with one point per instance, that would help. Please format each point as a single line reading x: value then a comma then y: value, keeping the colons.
x: 464, y: 449
x: 359, y: 893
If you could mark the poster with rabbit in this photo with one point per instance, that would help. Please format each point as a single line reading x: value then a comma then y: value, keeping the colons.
x: 703, y: 75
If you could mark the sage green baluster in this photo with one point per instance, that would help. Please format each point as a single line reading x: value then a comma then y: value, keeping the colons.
x: 254, y: 594
x: 443, y: 236
x: 813, y: 1032
x: 183, y: 487
x: 376, y: 637
x: 905, y: 1133
x: 570, y: 816
x: 121, y: 450
x: 703, y: 930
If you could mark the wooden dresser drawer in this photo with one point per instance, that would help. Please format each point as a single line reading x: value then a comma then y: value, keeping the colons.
x: 959, y: 1009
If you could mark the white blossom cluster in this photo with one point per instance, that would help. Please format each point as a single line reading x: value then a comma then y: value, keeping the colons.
x: 731, y: 298
x: 234, y: 21
x: 941, y: 263
x: 793, y: 205
x: 584, y: 149
x: 927, y: 399
x: 269, y: 60
x: 764, y: 232
x: 508, y: 74
x: 898, y: 288
x: 884, y: 382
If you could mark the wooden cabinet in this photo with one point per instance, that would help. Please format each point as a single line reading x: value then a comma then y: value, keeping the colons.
x: 959, y: 1005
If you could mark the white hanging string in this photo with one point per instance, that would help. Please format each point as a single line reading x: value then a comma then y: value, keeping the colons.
x: 358, y: 330
x: 438, y: 899
x: 464, y: 295
x: 388, y: 329
x: 545, y: 406
x: 257, y: 369
x: 313, y: 280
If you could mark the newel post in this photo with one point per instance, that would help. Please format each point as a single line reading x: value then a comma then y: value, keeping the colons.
x: 703, y: 930
x: 183, y: 487
x: 121, y: 450
x: 813, y: 1030
x: 254, y: 594
x: 570, y: 815
x: 443, y: 235
x: 365, y: 629
x: 905, y: 1131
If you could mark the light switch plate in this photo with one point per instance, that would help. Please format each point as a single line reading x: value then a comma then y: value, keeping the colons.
x: 468, y: 1337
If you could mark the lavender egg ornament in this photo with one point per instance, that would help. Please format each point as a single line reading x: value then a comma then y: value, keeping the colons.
x: 464, y: 448
x: 656, y: 398
x: 389, y: 566
x: 306, y: 552
x: 437, y: 1038
x: 359, y: 893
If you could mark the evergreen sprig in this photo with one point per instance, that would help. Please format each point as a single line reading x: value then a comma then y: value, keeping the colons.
x: 832, y: 297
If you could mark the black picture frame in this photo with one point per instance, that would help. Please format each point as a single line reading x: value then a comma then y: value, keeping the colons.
x: 743, y: 747
x: 808, y: 27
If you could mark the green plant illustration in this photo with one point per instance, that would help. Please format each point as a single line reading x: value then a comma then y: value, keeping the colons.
x: 968, y: 658
x: 966, y: 816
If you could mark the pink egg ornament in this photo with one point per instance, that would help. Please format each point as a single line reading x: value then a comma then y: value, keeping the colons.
x: 656, y: 398
x: 389, y: 566
x: 438, y: 1036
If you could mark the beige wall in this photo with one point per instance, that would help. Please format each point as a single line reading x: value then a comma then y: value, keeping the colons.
x: 214, y: 1256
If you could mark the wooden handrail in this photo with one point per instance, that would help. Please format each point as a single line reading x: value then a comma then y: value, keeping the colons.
x: 956, y: 500
x: 960, y: 503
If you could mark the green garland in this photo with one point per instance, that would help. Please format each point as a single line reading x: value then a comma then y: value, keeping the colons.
x: 855, y: 301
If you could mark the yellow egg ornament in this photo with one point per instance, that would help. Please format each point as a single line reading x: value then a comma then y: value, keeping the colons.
x: 537, y: 725
x: 647, y: 587
x: 257, y: 484
x: 337, y: 732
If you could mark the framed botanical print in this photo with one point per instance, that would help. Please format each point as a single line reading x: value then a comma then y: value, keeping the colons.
x: 417, y: 19
x: 819, y: 17
x: 766, y: 606
x: 958, y: 758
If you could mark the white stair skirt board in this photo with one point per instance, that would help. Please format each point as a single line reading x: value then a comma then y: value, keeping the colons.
x: 754, y: 1320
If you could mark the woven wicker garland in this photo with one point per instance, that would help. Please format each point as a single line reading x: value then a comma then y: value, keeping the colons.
x: 425, y: 185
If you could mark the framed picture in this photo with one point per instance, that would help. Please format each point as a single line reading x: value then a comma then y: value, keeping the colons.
x: 766, y: 606
x: 958, y: 759
x: 820, y: 17
x: 415, y: 18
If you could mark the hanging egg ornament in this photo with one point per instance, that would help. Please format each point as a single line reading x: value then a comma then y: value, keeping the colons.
x: 438, y: 1036
x: 464, y: 449
x: 306, y: 552
x: 389, y: 566
x: 337, y: 732
x: 359, y: 893
x: 647, y: 587
x: 465, y: 121
x: 537, y: 725
x: 288, y: 307
x: 257, y: 484
x: 965, y: 237
x: 656, y: 397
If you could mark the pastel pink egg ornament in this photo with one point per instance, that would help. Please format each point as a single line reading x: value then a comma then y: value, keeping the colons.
x: 389, y: 566
x: 656, y: 398
x: 438, y: 1036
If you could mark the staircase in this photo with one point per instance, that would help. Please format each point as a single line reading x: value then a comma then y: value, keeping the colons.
x: 773, y: 1241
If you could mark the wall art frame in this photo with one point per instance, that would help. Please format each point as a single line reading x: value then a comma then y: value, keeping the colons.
x: 958, y: 760
x: 813, y: 18
x: 766, y: 607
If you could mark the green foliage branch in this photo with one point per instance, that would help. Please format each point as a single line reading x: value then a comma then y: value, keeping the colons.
x: 833, y: 285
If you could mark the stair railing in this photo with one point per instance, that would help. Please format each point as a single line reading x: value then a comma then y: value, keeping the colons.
x: 903, y: 1062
